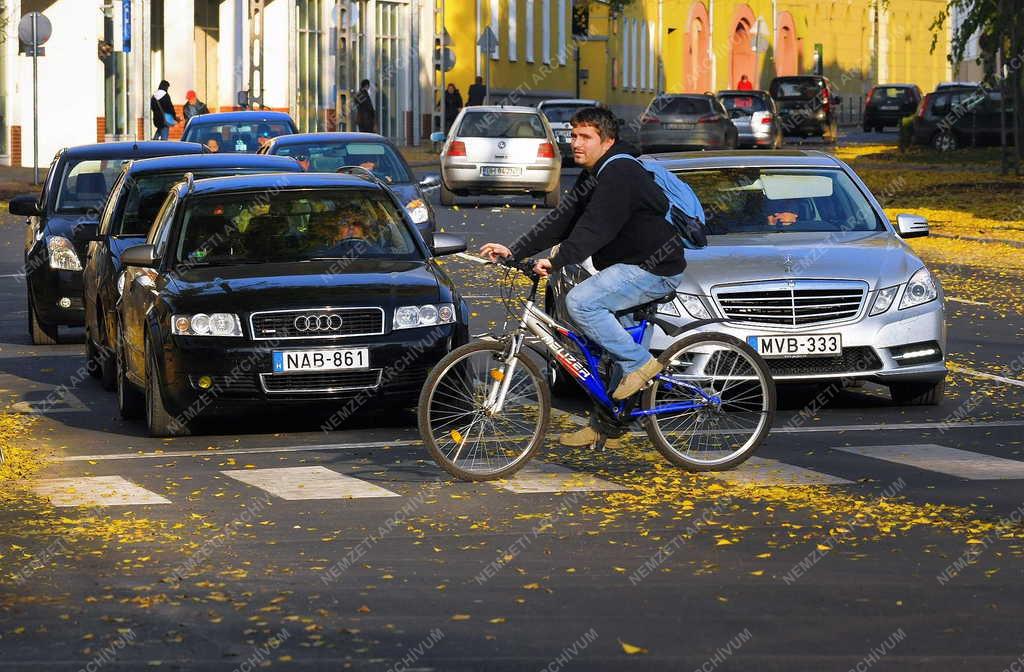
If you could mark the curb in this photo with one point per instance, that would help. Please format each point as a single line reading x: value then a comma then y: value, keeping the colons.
x: 979, y: 239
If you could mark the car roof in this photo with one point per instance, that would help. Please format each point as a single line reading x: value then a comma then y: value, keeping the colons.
x: 568, y: 101
x: 500, y: 108
x: 211, y: 161
x: 742, y: 92
x: 281, y: 181
x: 242, y: 115
x: 895, y: 86
x: 686, y: 95
x: 132, y: 150
x: 792, y: 158
x: 348, y: 136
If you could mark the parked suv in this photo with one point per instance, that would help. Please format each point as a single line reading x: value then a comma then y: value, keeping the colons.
x: 807, y: 105
x: 686, y: 121
x: 953, y: 117
x: 886, y: 104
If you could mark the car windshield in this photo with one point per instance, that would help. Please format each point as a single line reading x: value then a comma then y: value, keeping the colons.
x: 768, y: 200
x: 799, y: 88
x: 146, y: 194
x: 562, y: 113
x: 501, y: 125
x: 234, y: 137
x: 86, y: 184
x: 328, y: 157
x: 746, y: 105
x: 676, y: 105
x: 242, y: 228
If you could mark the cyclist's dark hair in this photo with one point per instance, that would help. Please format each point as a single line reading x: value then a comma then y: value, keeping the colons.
x: 600, y: 118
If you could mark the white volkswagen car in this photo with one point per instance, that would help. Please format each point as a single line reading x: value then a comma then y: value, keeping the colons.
x: 497, y: 149
x: 804, y: 265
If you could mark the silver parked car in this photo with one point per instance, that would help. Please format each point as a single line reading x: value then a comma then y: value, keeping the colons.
x: 495, y: 149
x: 755, y: 117
x: 804, y: 266
x: 686, y: 121
x: 558, y: 112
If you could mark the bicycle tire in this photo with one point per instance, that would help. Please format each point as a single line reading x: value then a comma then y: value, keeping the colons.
x: 444, y: 367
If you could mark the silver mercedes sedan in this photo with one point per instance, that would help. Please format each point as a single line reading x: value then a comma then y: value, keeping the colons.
x: 804, y: 266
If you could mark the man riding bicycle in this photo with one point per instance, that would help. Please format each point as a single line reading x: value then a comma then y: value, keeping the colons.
x: 614, y: 214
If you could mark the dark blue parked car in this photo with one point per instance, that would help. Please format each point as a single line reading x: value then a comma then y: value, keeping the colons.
x: 63, y: 219
x: 138, y: 193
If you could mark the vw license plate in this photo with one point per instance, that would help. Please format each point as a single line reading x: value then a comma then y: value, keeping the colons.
x: 329, y: 359
x: 500, y: 171
x: 805, y: 345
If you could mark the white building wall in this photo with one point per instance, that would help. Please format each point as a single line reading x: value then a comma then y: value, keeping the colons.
x: 232, y: 53
x: 276, y: 55
x: 179, y: 48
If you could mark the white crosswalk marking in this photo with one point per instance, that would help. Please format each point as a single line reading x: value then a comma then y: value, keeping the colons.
x: 540, y: 477
x: 95, y: 491
x: 762, y: 471
x: 944, y: 460
x: 296, y: 483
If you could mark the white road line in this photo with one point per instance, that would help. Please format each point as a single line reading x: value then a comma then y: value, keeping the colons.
x: 827, y: 429
x: 95, y: 491
x: 12, y: 275
x: 542, y: 477
x: 967, y: 301
x: 982, y: 374
x: 63, y: 401
x: 761, y: 471
x: 951, y: 461
x: 294, y: 483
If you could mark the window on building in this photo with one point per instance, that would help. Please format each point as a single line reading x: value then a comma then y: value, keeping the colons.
x: 392, y: 66
x: 545, y: 33
x: 625, y: 53
x: 530, y: 12
x: 309, y: 53
x: 496, y: 26
x: 652, y: 63
x: 513, y: 29
x: 644, y: 84
x: 562, y: 43
x: 634, y: 59
x: 156, y: 41
x: 115, y: 95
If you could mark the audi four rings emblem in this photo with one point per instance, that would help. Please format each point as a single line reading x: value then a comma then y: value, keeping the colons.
x: 317, y: 323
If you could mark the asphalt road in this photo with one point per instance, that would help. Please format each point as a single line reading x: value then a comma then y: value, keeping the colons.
x: 861, y: 538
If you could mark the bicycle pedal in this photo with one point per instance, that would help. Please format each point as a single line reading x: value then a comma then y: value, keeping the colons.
x: 599, y: 444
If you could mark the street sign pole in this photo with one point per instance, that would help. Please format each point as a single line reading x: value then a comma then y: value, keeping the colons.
x: 35, y: 98
x: 487, y: 79
x: 488, y: 42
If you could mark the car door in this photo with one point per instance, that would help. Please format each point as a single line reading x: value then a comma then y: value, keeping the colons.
x: 140, y: 291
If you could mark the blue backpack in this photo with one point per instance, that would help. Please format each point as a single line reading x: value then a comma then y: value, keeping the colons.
x: 685, y: 213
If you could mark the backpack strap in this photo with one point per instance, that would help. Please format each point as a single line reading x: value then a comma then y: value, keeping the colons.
x: 613, y: 157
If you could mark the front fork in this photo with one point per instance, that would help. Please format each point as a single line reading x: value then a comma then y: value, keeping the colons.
x: 502, y: 377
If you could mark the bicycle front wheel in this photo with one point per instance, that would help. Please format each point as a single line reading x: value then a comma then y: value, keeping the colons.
x: 715, y: 400
x: 465, y: 437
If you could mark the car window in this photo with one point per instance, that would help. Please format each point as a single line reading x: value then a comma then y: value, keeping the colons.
x: 111, y: 204
x: 806, y: 88
x: 160, y: 233
x: 501, y: 125
x: 231, y: 229
x: 892, y: 95
x: 328, y: 157
x: 679, y: 105
x: 745, y: 104
x: 85, y: 184
x: 559, y: 114
x: 940, y: 104
x: 235, y: 137
x: 765, y: 200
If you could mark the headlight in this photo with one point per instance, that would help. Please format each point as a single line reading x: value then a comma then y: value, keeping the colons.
x: 694, y: 306
x: 62, y: 254
x: 408, y: 317
x: 920, y: 289
x: 201, y: 324
x: 418, y: 210
x: 884, y: 299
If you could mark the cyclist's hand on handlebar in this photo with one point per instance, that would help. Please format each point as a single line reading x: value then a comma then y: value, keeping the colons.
x: 495, y: 251
x: 542, y: 267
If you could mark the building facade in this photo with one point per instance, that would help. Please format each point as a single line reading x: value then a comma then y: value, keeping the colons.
x: 307, y: 57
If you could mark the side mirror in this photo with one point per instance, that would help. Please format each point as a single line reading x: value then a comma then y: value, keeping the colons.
x: 87, y: 232
x: 430, y: 182
x: 243, y: 99
x: 139, y: 255
x: 446, y: 243
x: 437, y: 136
x: 24, y: 204
x: 911, y: 226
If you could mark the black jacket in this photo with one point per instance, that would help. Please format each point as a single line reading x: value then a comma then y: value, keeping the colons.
x: 366, y: 115
x: 477, y: 93
x: 452, y: 105
x: 159, y: 107
x: 615, y: 218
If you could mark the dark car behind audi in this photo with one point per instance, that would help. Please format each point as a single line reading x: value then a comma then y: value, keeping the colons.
x: 887, y: 104
x: 241, y: 132
x: 62, y: 220
x: 322, y: 292
x: 137, y: 195
x: 808, y: 106
x: 955, y: 116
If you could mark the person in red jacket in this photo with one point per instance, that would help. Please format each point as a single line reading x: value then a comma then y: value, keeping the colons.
x: 745, y: 84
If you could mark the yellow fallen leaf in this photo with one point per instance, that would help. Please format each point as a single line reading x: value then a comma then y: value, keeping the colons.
x: 757, y: 572
x: 631, y: 649
x: 762, y: 556
x: 461, y: 617
x: 823, y: 547
x: 532, y: 586
x: 723, y: 542
x: 496, y: 620
x: 456, y: 436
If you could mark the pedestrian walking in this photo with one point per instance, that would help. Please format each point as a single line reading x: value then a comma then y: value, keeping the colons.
x: 745, y: 84
x: 163, y: 111
x: 452, y: 105
x: 477, y: 92
x: 366, y: 115
x: 193, y: 106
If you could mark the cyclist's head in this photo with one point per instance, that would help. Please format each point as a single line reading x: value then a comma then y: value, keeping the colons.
x: 594, y: 131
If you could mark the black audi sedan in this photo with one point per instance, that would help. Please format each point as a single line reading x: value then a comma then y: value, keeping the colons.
x: 137, y: 194
x: 329, y: 152
x: 62, y: 220
x: 281, y: 290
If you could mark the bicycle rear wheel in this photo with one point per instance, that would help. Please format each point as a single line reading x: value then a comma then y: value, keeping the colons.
x: 463, y: 437
x: 714, y: 435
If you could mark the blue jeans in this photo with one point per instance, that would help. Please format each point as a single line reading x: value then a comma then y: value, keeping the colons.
x: 162, y: 133
x: 593, y: 302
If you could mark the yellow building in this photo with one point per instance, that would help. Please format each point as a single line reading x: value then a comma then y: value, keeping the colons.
x: 627, y: 56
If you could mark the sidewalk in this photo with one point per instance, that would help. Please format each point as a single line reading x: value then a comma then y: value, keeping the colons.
x: 14, y: 181
x: 423, y: 156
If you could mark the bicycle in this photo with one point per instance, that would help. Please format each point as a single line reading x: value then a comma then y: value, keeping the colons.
x: 486, y: 406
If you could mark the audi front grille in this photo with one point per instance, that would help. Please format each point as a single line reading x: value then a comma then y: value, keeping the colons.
x: 316, y: 323
x: 795, y: 303
x: 320, y: 382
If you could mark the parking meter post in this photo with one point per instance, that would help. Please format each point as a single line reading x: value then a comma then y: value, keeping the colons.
x: 35, y: 98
